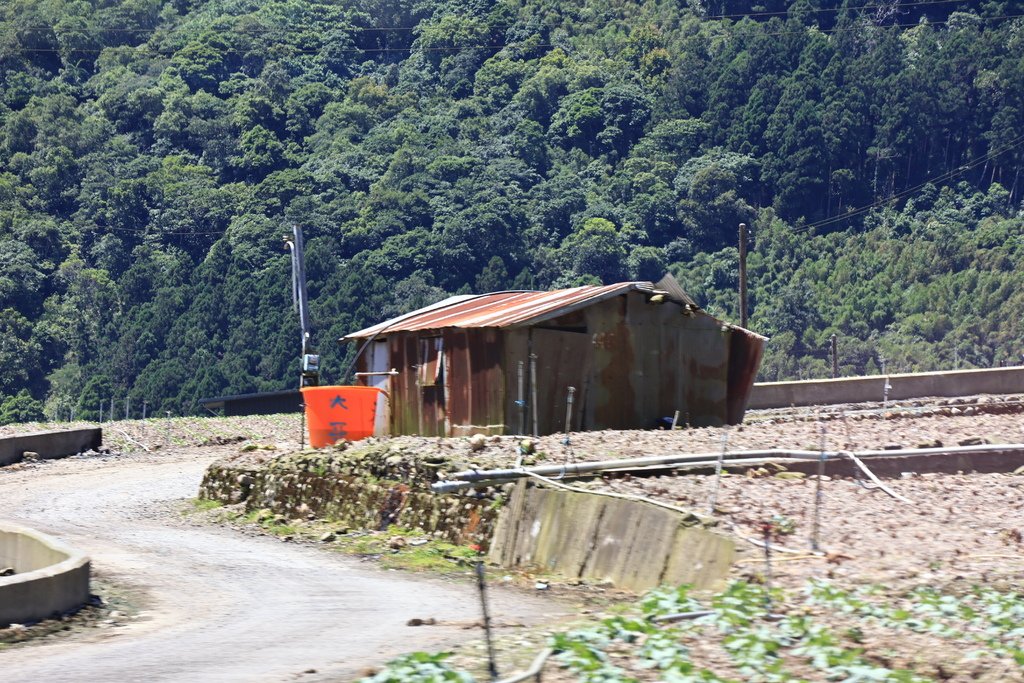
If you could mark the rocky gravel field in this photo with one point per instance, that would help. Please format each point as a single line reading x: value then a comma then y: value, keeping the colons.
x: 926, y: 586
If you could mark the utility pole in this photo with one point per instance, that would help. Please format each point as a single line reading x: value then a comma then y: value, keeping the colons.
x: 743, y: 274
x: 835, y: 357
x: 310, y: 376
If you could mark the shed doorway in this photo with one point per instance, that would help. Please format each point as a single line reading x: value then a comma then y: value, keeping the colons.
x: 431, y: 377
x: 563, y: 361
x: 379, y: 375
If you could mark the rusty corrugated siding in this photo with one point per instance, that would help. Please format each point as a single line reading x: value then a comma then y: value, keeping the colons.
x: 562, y: 362
x: 468, y: 399
x: 611, y: 395
x: 649, y: 360
x: 476, y: 388
x: 405, y: 404
x: 515, y: 343
x: 745, y: 353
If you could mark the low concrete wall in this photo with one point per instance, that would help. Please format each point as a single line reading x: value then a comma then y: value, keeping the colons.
x: 636, y: 545
x: 51, y: 577
x: 54, y: 444
x: 867, y: 389
x: 980, y: 459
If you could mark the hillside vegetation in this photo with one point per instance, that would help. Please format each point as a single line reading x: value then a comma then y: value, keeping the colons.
x: 154, y: 152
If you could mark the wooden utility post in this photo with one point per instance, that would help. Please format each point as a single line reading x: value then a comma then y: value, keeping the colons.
x: 743, y: 274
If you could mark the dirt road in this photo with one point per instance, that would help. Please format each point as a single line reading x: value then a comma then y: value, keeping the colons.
x: 219, y: 605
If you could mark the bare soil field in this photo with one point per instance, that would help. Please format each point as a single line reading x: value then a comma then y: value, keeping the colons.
x: 930, y: 589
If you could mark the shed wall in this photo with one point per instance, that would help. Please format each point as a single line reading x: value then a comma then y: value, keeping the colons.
x: 476, y: 382
x: 630, y: 361
x: 650, y: 360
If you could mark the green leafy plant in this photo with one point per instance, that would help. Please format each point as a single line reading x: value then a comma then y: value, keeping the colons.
x: 419, y: 667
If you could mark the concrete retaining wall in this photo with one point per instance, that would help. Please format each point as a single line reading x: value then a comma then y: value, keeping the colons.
x: 868, y: 389
x: 51, y: 577
x: 635, y: 545
x: 53, y: 444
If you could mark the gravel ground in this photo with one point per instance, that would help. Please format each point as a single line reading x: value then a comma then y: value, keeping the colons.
x: 957, y: 527
x: 959, y: 531
x: 216, y: 605
x: 958, y: 524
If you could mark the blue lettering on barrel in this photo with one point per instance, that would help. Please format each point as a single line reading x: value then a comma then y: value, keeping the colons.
x: 338, y: 402
x: 337, y: 430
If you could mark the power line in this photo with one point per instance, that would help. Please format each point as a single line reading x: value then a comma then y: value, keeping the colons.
x: 912, y: 24
x: 158, y: 233
x: 1015, y: 142
x: 706, y: 17
x: 922, y: 3
x: 497, y: 46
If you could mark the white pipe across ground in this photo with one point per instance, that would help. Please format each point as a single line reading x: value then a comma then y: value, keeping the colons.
x: 479, y: 478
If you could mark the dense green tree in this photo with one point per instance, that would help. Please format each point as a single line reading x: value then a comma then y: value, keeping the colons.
x: 154, y: 152
x: 20, y: 408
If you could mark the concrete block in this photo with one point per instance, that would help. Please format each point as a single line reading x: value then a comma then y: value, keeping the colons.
x: 564, y: 548
x: 51, y: 444
x: 51, y: 577
x: 634, y: 544
x: 871, y: 388
x: 700, y: 558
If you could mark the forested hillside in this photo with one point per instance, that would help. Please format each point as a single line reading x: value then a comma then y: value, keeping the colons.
x: 153, y: 154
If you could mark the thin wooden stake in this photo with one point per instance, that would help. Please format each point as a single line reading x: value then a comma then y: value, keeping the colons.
x: 492, y: 665
x: 816, y: 531
x: 718, y: 471
x: 766, y: 531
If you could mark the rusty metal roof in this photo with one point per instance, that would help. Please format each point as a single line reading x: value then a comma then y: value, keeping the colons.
x: 503, y: 309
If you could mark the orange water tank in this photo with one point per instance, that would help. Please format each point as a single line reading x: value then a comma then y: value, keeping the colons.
x: 340, y: 413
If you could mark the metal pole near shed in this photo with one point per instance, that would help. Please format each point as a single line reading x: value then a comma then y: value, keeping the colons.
x: 521, y: 402
x: 743, y: 274
x: 533, y: 393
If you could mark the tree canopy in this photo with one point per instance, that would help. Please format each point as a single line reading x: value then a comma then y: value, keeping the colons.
x: 154, y: 152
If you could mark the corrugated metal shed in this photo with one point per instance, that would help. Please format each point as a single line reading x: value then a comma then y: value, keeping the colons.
x: 633, y: 352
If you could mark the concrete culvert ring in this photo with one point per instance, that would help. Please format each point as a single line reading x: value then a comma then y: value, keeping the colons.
x: 48, y: 577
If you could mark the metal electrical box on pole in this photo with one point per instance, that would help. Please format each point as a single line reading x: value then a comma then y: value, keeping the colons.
x: 310, y: 368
